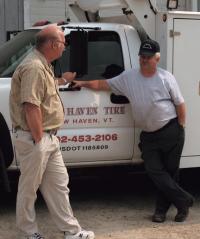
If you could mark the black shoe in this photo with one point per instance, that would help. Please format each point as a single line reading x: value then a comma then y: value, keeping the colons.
x: 183, y: 212
x: 181, y: 215
x: 159, y: 217
x: 191, y: 202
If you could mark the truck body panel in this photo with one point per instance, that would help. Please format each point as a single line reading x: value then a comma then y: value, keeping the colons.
x: 179, y: 38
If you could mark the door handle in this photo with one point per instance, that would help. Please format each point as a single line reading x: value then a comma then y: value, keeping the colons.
x: 70, y: 88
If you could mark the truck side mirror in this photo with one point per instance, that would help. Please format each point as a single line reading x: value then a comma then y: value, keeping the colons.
x: 172, y: 4
x: 79, y: 52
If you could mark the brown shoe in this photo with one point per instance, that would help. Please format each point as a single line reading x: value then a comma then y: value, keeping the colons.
x: 159, y: 217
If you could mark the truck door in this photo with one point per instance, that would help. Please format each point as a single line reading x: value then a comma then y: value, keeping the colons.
x: 186, y: 68
x: 97, y: 130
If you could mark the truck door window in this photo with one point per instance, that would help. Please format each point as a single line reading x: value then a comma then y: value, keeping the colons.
x: 14, y: 51
x: 104, y: 50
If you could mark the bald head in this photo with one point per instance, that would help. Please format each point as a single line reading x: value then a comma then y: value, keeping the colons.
x: 49, y: 33
x: 50, y: 41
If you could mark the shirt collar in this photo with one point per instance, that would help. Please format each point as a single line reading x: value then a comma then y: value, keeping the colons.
x: 44, y: 61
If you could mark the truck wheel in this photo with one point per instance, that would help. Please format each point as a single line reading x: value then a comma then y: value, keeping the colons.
x: 6, y: 142
x: 3, y: 173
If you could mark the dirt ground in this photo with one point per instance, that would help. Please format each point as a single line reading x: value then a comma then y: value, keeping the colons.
x: 113, y: 208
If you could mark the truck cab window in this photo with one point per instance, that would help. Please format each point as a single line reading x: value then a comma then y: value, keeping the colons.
x: 14, y: 51
x: 104, y: 50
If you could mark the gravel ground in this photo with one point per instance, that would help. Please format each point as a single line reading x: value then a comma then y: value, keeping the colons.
x: 118, y: 207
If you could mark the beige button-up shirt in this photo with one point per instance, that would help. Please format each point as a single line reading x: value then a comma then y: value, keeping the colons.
x: 34, y: 82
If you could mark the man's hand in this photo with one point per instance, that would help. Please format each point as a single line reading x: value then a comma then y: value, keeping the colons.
x: 69, y: 76
x: 77, y: 84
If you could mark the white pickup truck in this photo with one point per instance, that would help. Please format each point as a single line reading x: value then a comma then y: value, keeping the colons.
x: 99, y: 128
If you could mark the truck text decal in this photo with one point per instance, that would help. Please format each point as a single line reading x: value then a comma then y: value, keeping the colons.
x: 86, y: 148
x: 87, y: 138
x: 72, y: 113
x: 114, y: 110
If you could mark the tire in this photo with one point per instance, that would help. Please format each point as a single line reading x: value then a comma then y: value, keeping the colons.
x: 3, y: 173
x: 6, y: 142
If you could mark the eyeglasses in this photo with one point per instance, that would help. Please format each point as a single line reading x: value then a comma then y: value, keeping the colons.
x: 64, y: 43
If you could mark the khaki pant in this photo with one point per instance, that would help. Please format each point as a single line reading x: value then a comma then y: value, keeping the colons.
x: 42, y: 167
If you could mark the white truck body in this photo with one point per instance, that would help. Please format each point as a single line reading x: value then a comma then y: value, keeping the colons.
x: 97, y: 131
x: 58, y: 10
x: 179, y: 39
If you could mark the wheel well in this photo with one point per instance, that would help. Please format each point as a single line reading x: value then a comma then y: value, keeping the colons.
x: 6, y: 142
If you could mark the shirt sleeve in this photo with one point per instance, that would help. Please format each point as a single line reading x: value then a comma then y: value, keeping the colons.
x: 32, y: 84
x: 117, y: 84
x: 174, y: 91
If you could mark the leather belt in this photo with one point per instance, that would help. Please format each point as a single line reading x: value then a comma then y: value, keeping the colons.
x: 51, y: 131
x: 172, y: 121
x: 19, y: 128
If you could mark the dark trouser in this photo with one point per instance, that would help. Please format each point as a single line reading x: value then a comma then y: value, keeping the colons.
x: 161, y: 152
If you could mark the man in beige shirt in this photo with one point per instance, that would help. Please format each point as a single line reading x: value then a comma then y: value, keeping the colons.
x: 36, y: 112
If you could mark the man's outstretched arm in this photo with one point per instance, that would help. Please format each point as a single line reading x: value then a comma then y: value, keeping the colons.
x: 94, y: 85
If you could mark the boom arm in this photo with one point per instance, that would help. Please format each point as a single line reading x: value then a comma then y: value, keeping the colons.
x: 138, y: 13
x: 141, y: 14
